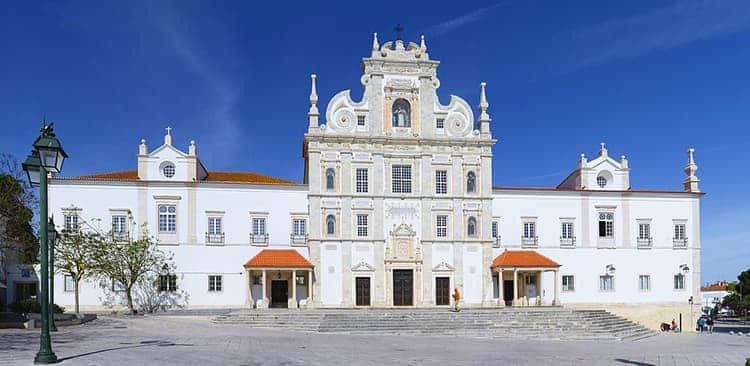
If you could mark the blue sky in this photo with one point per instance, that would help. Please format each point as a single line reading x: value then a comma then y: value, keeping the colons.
x: 650, y: 78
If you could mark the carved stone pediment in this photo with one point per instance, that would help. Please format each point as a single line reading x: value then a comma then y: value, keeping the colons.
x: 363, y: 266
x: 443, y: 267
x: 403, y: 245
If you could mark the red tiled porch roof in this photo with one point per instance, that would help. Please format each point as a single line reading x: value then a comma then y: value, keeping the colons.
x: 278, y: 258
x: 522, y: 258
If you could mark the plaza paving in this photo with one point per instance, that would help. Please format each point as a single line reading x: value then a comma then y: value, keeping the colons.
x: 194, y: 340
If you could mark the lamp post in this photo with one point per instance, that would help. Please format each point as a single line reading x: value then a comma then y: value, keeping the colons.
x: 52, y: 241
x: 47, y: 156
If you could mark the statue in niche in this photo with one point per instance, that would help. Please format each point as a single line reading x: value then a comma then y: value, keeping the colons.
x: 401, y: 113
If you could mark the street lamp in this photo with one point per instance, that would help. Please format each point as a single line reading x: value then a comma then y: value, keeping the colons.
x: 52, y: 233
x: 47, y: 156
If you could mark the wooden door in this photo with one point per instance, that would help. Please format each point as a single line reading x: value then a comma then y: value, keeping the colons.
x: 279, y: 294
x: 363, y: 291
x: 403, y: 287
x: 442, y: 291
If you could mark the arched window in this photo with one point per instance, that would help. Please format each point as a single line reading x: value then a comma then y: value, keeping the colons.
x: 330, y: 179
x: 471, y: 182
x: 330, y: 225
x: 401, y: 113
x: 471, y: 228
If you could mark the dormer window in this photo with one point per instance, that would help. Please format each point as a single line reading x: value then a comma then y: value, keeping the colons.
x: 401, y: 113
x: 168, y: 170
x: 601, y: 181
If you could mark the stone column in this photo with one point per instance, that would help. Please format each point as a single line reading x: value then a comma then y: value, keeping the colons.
x: 263, y: 290
x: 540, y: 294
x: 501, y: 290
x: 309, y: 288
x: 555, y: 301
x: 294, y: 288
x: 515, y: 286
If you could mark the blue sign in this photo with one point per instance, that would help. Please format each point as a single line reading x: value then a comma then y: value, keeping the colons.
x: 25, y: 273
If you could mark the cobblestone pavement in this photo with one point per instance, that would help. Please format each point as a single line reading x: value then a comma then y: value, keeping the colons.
x: 194, y: 340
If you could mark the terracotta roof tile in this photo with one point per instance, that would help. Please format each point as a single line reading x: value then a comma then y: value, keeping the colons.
x: 212, y: 176
x: 719, y: 286
x: 523, y: 258
x: 278, y: 258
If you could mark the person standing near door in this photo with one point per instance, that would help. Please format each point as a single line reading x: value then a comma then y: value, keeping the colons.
x: 456, y: 299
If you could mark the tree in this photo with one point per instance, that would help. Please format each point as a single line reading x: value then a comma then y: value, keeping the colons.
x: 17, y: 202
x: 739, y: 296
x: 74, y: 256
x: 132, y: 263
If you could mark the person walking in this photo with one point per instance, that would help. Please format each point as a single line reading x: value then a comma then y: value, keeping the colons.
x: 456, y: 299
x: 710, y: 325
x: 701, y: 324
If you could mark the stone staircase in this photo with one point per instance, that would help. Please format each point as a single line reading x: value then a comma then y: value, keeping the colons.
x: 553, y: 323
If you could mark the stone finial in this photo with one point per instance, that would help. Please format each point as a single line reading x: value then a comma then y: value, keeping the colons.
x: 691, y: 182
x: 142, y: 148
x: 192, y: 149
x: 168, y: 136
x: 313, y: 114
x: 582, y: 161
x: 375, y: 43
x: 603, y: 149
x: 623, y: 162
x: 484, y: 117
x: 422, y: 45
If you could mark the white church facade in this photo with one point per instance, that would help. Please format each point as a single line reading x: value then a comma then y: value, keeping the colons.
x: 397, y: 208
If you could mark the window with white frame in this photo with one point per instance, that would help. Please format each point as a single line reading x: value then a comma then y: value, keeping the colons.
x: 119, y: 225
x: 529, y: 230
x: 601, y: 181
x: 69, y: 285
x: 71, y: 222
x: 361, y: 174
x: 644, y: 231
x: 495, y: 229
x: 644, y: 283
x: 259, y: 226
x: 401, y: 179
x: 214, y: 283
x: 167, y: 219
x: 568, y: 283
x: 566, y: 230
x: 679, y: 231
x: 361, y: 120
x: 214, y: 226
x: 167, y: 283
x: 606, y: 283
x: 299, y: 227
x: 440, y: 123
x: 361, y: 225
x: 606, y: 225
x: 441, y: 226
x: 679, y: 281
x: 168, y: 170
x: 441, y: 182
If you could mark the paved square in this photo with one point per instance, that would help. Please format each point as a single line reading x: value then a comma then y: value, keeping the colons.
x: 194, y: 340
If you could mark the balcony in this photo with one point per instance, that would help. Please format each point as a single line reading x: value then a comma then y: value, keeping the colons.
x: 496, y: 242
x: 529, y: 242
x: 298, y: 240
x: 644, y: 243
x: 259, y: 239
x: 569, y: 242
x: 120, y: 236
x: 214, y: 238
x: 680, y: 243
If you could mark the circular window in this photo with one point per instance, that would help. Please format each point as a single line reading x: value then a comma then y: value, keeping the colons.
x: 168, y: 170
x: 601, y: 181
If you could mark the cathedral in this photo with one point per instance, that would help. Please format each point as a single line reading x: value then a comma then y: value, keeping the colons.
x: 397, y: 209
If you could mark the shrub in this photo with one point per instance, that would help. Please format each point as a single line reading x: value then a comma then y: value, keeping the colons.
x: 32, y: 306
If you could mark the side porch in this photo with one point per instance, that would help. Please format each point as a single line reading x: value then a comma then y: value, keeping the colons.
x: 518, y: 278
x: 279, y: 278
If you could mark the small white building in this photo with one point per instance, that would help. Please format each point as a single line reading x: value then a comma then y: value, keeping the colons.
x: 713, y: 294
x: 398, y: 208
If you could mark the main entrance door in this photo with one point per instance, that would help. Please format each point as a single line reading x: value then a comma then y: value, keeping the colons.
x: 279, y: 294
x: 403, y: 287
x: 508, y: 292
x: 442, y: 291
x: 363, y: 291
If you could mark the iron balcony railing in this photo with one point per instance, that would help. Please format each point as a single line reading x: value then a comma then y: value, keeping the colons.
x: 214, y: 238
x: 680, y: 243
x: 298, y: 239
x: 120, y: 236
x: 644, y: 243
x: 259, y: 238
x: 567, y: 242
x: 496, y: 242
x: 529, y: 242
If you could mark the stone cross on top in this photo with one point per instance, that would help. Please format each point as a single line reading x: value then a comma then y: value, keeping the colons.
x: 398, y: 29
x: 169, y: 130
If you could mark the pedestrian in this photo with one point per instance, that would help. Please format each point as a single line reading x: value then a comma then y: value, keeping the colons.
x: 710, y: 324
x: 456, y: 299
x: 674, y: 325
x: 701, y: 324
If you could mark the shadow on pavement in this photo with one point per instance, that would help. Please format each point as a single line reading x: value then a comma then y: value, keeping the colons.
x: 141, y: 344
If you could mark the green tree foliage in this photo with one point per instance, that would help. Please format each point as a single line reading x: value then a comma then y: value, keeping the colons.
x: 16, y: 211
x: 132, y: 263
x: 739, y: 296
x: 74, y: 256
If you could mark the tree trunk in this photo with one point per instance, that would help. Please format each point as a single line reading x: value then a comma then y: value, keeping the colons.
x: 76, y: 295
x: 129, y: 295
